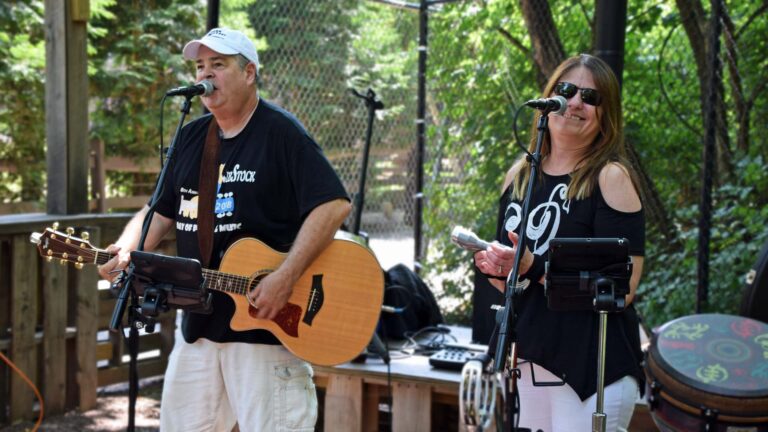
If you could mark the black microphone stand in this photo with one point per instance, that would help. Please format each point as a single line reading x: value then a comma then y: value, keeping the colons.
x: 376, y: 344
x: 506, y: 335
x: 136, y: 319
x: 372, y: 104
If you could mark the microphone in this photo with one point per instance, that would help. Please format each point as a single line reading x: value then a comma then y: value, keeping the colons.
x: 204, y: 88
x: 556, y: 104
x: 468, y: 240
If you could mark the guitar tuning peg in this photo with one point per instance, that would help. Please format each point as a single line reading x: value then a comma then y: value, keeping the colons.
x: 62, y: 261
x: 79, y: 266
x: 55, y: 226
x: 85, y: 235
x: 49, y: 258
x: 70, y: 230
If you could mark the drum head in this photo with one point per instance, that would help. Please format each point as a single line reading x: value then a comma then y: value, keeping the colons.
x: 721, y: 354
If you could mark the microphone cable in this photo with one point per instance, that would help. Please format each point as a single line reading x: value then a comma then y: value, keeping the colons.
x: 31, y: 385
x: 388, y: 362
x: 514, y: 130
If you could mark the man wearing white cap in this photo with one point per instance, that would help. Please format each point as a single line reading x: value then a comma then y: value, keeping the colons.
x: 274, y: 184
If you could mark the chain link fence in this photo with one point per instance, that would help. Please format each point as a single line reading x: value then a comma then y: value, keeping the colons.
x: 313, y: 54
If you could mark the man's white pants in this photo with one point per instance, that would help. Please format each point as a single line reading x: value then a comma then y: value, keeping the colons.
x: 209, y: 386
x: 559, y: 408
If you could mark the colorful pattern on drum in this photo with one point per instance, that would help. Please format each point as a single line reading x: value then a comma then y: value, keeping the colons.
x: 722, y: 354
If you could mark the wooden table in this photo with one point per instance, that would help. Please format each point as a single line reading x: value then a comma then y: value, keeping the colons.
x: 353, y: 391
x: 423, y: 398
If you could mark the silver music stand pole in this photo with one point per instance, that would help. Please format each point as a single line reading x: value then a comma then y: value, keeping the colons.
x: 598, y: 417
x: 605, y: 301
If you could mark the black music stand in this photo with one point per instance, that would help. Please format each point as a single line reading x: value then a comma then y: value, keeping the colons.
x: 166, y: 282
x: 589, y: 274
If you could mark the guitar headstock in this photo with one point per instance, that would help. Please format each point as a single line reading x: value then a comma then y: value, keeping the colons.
x: 65, y: 247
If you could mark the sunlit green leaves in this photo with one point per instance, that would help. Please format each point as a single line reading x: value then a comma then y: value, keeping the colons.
x: 480, y: 76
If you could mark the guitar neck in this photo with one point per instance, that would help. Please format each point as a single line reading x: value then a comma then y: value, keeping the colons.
x: 214, y: 280
x: 53, y: 244
x: 226, y: 282
x: 102, y: 256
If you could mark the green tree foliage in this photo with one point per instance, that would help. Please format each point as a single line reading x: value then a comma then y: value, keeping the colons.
x: 672, y: 155
x: 22, y: 104
x: 480, y: 71
x: 133, y: 56
x: 482, y: 68
x: 135, y: 49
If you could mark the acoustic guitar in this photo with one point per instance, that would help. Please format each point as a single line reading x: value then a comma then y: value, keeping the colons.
x: 330, y: 317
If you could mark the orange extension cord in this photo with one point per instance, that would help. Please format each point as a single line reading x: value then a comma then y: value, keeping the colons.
x: 29, y: 383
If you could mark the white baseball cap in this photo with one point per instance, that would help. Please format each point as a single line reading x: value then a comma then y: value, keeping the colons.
x: 223, y: 41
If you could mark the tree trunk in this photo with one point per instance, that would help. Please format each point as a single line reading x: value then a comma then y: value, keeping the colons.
x: 694, y: 22
x: 737, y: 88
x: 548, y: 51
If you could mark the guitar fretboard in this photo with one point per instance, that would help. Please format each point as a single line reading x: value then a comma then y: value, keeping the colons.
x: 215, y: 280
x: 226, y: 282
x: 64, y: 247
x: 101, y: 256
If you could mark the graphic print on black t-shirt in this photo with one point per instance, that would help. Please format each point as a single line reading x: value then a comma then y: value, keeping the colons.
x: 544, y: 220
x: 225, y: 201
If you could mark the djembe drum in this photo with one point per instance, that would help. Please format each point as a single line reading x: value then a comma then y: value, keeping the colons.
x: 709, y: 373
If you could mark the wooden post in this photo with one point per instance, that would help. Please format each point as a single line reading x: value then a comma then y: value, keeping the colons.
x: 86, y: 284
x: 54, y: 337
x: 344, y: 403
x: 411, y: 407
x: 66, y: 105
x: 5, y: 320
x: 24, y: 300
x: 98, y: 175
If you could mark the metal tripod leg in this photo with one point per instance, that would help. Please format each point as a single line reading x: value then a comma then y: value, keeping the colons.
x: 598, y: 417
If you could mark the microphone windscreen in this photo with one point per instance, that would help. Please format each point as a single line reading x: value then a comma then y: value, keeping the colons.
x: 563, y: 104
x: 208, y: 86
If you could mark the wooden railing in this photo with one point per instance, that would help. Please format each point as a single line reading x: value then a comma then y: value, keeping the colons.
x: 54, y: 322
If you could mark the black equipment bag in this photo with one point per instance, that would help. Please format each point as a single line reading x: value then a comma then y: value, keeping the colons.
x: 411, y: 297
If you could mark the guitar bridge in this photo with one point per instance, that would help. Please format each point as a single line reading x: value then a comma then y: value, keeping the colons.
x: 315, y: 301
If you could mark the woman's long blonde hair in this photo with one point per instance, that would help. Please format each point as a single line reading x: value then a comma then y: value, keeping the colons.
x: 608, y: 145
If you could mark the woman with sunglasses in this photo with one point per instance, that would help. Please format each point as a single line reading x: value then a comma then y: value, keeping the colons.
x: 586, y: 188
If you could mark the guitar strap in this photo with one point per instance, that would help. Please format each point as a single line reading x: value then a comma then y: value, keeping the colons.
x: 209, y: 166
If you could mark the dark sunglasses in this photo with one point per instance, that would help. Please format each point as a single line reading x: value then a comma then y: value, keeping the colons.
x: 568, y: 90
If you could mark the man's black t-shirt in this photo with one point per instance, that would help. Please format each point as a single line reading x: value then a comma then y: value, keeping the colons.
x: 270, y: 177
